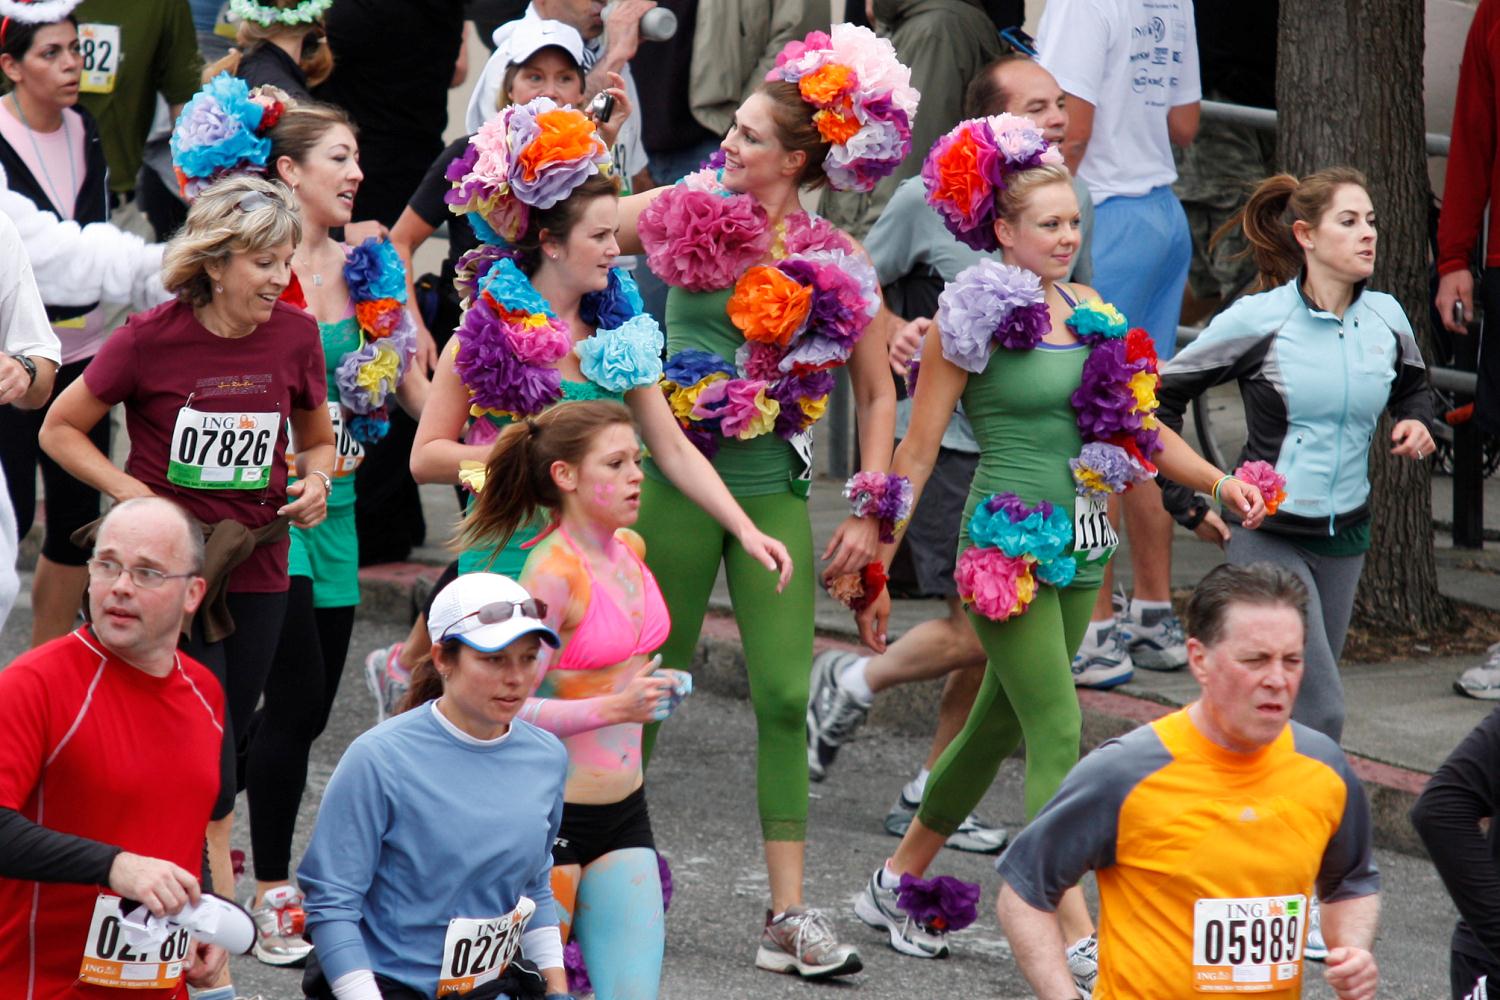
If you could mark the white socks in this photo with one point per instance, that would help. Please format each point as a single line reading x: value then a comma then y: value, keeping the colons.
x: 916, y: 786
x: 1137, y: 607
x: 852, y: 679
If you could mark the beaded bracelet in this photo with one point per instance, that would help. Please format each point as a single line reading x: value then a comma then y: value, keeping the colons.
x: 884, y: 497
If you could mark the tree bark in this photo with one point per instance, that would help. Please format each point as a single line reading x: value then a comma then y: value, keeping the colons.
x: 1349, y: 91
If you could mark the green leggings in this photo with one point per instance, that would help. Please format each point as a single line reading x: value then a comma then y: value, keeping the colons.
x: 1027, y: 694
x: 683, y: 548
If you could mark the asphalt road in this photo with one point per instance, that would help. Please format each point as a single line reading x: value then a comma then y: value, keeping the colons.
x: 703, y: 810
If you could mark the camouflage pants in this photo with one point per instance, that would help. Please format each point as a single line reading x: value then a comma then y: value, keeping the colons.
x: 1215, y: 176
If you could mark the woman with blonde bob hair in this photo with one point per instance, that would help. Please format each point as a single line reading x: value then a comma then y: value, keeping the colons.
x: 210, y: 382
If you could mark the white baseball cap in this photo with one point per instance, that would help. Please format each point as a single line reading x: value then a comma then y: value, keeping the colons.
x: 532, y: 34
x: 487, y: 612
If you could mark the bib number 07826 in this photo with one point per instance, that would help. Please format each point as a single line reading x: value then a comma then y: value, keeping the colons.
x: 222, y: 451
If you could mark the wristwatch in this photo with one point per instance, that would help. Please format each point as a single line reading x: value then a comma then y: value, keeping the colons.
x: 27, y: 364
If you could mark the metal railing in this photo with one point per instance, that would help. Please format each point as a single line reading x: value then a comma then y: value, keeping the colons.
x: 1265, y: 118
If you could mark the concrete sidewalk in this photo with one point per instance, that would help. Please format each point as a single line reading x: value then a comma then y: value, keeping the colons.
x: 1403, y: 715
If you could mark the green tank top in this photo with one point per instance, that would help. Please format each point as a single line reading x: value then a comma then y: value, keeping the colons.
x: 761, y: 466
x: 1027, y: 430
x: 509, y: 560
x: 339, y: 338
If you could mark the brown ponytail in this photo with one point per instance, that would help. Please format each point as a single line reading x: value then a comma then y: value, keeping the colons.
x: 518, y: 475
x: 1267, y: 218
x: 426, y: 683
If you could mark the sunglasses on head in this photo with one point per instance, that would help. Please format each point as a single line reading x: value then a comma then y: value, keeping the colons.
x: 501, y: 611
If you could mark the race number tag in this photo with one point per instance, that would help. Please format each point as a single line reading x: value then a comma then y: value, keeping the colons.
x: 100, y: 44
x: 477, y: 951
x: 1093, y: 536
x: 1248, y: 945
x: 349, y: 452
x: 222, y: 451
x: 802, y: 445
x: 109, y: 961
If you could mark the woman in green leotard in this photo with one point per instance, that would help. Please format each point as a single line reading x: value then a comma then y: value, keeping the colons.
x: 766, y: 300
x: 1062, y: 401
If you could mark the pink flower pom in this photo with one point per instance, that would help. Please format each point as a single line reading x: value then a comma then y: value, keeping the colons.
x: 540, y: 344
x: 703, y: 242
x: 1264, y: 477
x: 806, y: 233
x: 997, y: 585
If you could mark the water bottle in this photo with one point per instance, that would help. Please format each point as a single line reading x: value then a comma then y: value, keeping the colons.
x: 658, y: 24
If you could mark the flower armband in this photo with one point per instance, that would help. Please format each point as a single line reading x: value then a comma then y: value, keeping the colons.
x: 887, y: 498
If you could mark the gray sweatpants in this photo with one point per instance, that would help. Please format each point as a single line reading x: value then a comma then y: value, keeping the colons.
x: 1331, y: 581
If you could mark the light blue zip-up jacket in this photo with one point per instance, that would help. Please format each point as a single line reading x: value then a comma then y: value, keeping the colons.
x: 1313, y: 386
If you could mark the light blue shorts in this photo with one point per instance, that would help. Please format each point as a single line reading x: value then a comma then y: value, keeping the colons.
x: 1142, y: 249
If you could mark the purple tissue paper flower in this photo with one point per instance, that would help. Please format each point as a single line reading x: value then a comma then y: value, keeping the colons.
x: 942, y: 903
x: 976, y: 309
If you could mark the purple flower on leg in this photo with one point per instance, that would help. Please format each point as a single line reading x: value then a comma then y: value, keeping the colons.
x: 578, y: 973
x: 665, y: 871
x: 942, y: 903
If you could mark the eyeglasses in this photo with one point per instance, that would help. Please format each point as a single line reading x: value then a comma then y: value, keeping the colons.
x: 143, y: 576
x: 501, y: 611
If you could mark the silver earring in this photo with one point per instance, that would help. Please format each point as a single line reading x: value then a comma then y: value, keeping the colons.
x: 218, y: 287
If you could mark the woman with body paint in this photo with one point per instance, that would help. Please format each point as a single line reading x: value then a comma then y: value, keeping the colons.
x: 582, y: 465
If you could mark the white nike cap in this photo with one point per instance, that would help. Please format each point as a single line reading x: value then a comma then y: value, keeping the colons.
x: 487, y: 612
x: 531, y: 35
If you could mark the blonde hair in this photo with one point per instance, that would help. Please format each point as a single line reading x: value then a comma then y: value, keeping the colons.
x: 250, y: 35
x: 217, y: 226
x: 1011, y: 200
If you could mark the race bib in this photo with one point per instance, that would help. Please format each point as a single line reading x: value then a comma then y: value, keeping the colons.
x: 1093, y: 536
x: 477, y: 951
x: 222, y: 451
x: 348, y: 452
x: 100, y: 44
x: 109, y: 961
x: 1248, y: 945
x: 802, y: 445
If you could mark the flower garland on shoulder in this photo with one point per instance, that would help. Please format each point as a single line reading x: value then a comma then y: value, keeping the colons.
x: 800, y: 315
x: 369, y: 374
x: 224, y: 130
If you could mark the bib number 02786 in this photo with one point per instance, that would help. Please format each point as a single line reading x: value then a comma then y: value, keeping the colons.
x: 109, y: 961
x: 476, y: 951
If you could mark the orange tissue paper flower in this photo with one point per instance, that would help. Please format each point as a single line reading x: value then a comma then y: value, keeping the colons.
x: 836, y: 127
x: 961, y: 178
x: 566, y: 135
x: 768, y: 306
x: 378, y: 317
x: 827, y: 84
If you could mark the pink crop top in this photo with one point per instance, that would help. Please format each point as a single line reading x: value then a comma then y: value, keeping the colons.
x: 605, y: 637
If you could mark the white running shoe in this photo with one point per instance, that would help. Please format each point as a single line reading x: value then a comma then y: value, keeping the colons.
x: 1105, y: 665
x: 877, y: 907
x: 279, y: 920
x: 1316, y: 949
x: 1156, y: 641
x: 833, y: 714
x: 973, y: 834
x: 1083, y: 963
x: 1483, y: 681
x: 802, y: 941
x: 386, y: 679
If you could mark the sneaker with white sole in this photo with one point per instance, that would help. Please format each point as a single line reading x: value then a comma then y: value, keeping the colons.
x: 801, y: 941
x: 833, y: 714
x: 1483, y: 681
x: 1105, y: 665
x: 1156, y: 641
x: 279, y: 920
x: 386, y: 679
x: 973, y: 834
x: 1083, y: 963
x: 877, y: 906
x: 1316, y: 949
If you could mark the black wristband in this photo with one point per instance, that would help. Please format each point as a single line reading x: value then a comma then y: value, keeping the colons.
x: 1198, y: 509
x: 28, y: 365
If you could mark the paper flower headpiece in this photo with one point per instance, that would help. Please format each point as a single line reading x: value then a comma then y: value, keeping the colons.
x: 528, y: 156
x: 864, y: 99
x: 969, y: 167
x: 223, y: 130
x: 269, y: 15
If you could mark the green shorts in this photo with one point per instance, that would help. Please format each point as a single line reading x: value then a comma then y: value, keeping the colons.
x: 329, y: 555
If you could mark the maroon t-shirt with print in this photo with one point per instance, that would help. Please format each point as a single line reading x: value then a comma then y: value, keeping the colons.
x: 207, y: 416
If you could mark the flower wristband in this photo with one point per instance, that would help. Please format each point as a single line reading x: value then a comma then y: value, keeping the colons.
x: 887, y: 498
x: 855, y: 591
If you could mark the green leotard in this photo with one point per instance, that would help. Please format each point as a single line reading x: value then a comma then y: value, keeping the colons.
x: 329, y: 553
x: 510, y: 559
x: 1027, y: 430
x: 684, y: 547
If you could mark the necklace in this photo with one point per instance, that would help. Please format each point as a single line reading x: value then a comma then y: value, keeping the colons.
x: 40, y: 162
x: 307, y: 265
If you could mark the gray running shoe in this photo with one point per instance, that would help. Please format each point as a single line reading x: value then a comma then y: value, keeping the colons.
x: 1105, y: 666
x: 386, y: 680
x: 278, y: 928
x: 973, y: 834
x: 1483, y: 681
x: 1083, y: 963
x: 877, y: 907
x: 802, y: 941
x: 1316, y: 949
x: 1156, y: 641
x: 833, y: 714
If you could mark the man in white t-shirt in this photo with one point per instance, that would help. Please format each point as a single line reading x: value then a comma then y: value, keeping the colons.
x: 1130, y: 70
x: 602, y: 54
x: 29, y: 356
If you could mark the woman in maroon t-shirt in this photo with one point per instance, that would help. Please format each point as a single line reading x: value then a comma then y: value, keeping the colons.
x: 209, y: 382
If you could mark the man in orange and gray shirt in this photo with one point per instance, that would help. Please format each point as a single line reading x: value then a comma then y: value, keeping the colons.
x: 1210, y: 829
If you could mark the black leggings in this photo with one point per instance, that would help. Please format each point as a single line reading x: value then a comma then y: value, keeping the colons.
x: 241, y: 662
x: 71, y: 503
x: 304, y: 679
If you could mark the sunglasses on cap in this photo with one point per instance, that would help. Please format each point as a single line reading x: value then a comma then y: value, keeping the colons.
x: 501, y: 611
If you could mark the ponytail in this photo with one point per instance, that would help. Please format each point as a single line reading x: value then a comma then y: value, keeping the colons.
x: 426, y: 683
x: 518, y: 475
x: 1267, y: 218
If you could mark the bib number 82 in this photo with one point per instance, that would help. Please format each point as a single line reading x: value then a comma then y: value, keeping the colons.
x: 97, y: 55
x: 1254, y: 942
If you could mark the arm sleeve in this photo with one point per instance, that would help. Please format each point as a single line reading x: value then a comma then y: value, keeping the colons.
x: 1462, y: 792
x: 37, y: 854
x: 78, y: 265
x: 1072, y: 38
x: 1472, y: 154
x: 1348, y: 869
x: 1411, y: 395
x: 23, y: 318
x: 179, y: 66
x: 341, y: 860
x: 1076, y: 831
x: 359, y: 985
x: 427, y: 201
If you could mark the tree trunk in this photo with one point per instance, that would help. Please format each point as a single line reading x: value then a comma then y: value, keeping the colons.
x: 1349, y: 91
